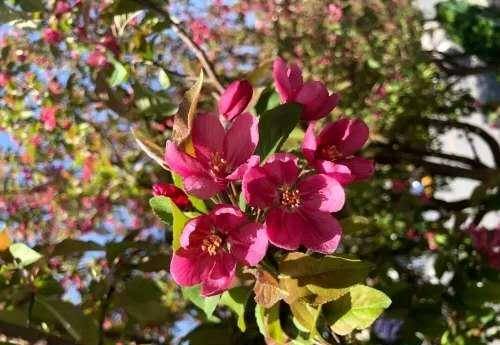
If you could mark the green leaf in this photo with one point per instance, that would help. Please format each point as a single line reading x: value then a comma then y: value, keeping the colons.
x: 305, y: 316
x: 207, y: 304
x: 328, y: 277
x: 268, y: 99
x: 23, y: 254
x: 236, y: 299
x: 81, y: 327
x: 357, y: 309
x: 71, y: 246
x: 161, y: 207
x: 210, y: 334
x: 164, y: 79
x: 119, y: 75
x: 275, y: 126
x: 269, y: 324
x: 179, y: 221
x: 31, y: 5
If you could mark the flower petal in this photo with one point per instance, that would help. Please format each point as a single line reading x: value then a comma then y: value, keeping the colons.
x: 321, y: 192
x: 188, y: 267
x: 322, y: 232
x: 312, y: 96
x: 208, y: 135
x: 203, y: 185
x: 238, y: 173
x: 340, y: 172
x: 241, y: 140
x: 360, y: 167
x: 180, y: 162
x: 288, y: 80
x: 228, y: 218
x: 329, y: 104
x: 220, y: 277
x: 310, y: 144
x: 258, y: 189
x: 235, y: 98
x: 285, y: 229
x: 281, y: 169
x: 348, y: 135
x: 249, y: 243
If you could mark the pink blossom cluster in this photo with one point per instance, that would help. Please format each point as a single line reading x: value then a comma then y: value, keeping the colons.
x: 487, y: 242
x: 292, y: 199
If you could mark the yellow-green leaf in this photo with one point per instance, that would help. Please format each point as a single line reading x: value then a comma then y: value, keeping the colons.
x: 236, y: 300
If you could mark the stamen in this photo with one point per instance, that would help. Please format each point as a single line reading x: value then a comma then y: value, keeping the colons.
x: 211, y: 244
x: 331, y: 153
x: 290, y: 198
x: 219, y: 164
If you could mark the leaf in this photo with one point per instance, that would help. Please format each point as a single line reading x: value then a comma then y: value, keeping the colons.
x: 269, y: 324
x: 81, y: 327
x: 161, y: 208
x: 151, y: 149
x: 275, y: 126
x: 23, y: 254
x: 31, y: 5
x: 71, y: 246
x: 183, y: 120
x: 210, y: 334
x: 357, y: 309
x: 305, y: 315
x: 268, y: 99
x: 119, y: 75
x: 163, y: 79
x: 267, y: 289
x: 236, y: 299
x: 4, y: 241
x: 179, y: 221
x: 207, y: 304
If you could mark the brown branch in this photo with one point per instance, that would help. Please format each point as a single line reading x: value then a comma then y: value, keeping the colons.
x: 188, y: 41
x: 31, y: 334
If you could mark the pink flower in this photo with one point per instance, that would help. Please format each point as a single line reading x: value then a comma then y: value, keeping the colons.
x: 211, y: 247
x: 4, y: 79
x: 61, y: 8
x: 235, y: 99
x: 171, y: 191
x: 298, y: 208
x: 312, y: 95
x: 97, y: 59
x: 335, y: 12
x: 487, y: 242
x: 88, y: 168
x: 48, y: 117
x: 221, y: 155
x: 109, y: 42
x: 51, y: 36
x: 332, y: 152
x: 201, y: 31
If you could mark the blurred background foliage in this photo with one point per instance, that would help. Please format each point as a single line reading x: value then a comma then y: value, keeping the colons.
x: 75, y: 185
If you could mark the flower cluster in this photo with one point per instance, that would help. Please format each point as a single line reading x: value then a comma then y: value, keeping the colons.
x: 283, y: 199
x: 487, y: 242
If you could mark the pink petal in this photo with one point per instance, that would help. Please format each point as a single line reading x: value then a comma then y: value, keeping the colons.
x: 321, y: 192
x: 348, y: 135
x: 310, y: 144
x: 180, y: 162
x: 188, y: 267
x: 258, y: 189
x: 228, y: 218
x: 285, y: 229
x: 360, y: 167
x: 203, y: 185
x: 312, y: 96
x: 195, y: 231
x: 241, y: 139
x: 281, y: 169
x: 220, y: 277
x: 249, y: 243
x: 340, y: 172
x: 238, y: 173
x: 208, y: 135
x: 321, y: 233
x: 329, y: 104
x: 235, y: 98
x: 287, y: 80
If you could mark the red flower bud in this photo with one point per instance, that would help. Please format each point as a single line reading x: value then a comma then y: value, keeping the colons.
x: 235, y: 98
x: 177, y: 195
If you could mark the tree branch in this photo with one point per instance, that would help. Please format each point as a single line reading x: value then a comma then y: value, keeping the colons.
x: 31, y: 334
x: 188, y: 41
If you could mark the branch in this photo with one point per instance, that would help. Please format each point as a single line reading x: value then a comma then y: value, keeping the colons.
x: 188, y: 41
x: 31, y: 334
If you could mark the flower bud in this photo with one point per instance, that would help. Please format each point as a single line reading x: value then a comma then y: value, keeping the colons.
x: 235, y: 99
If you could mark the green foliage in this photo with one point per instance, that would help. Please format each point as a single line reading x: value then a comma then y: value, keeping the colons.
x: 24, y: 255
x: 207, y: 304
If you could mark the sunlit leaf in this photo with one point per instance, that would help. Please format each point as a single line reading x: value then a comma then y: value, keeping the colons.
x: 269, y: 324
x: 23, y: 254
x: 119, y: 75
x: 236, y: 300
x: 207, y: 304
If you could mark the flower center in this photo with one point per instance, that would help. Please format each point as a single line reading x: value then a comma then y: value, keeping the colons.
x: 219, y: 164
x: 290, y: 198
x: 331, y: 153
x: 211, y: 244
